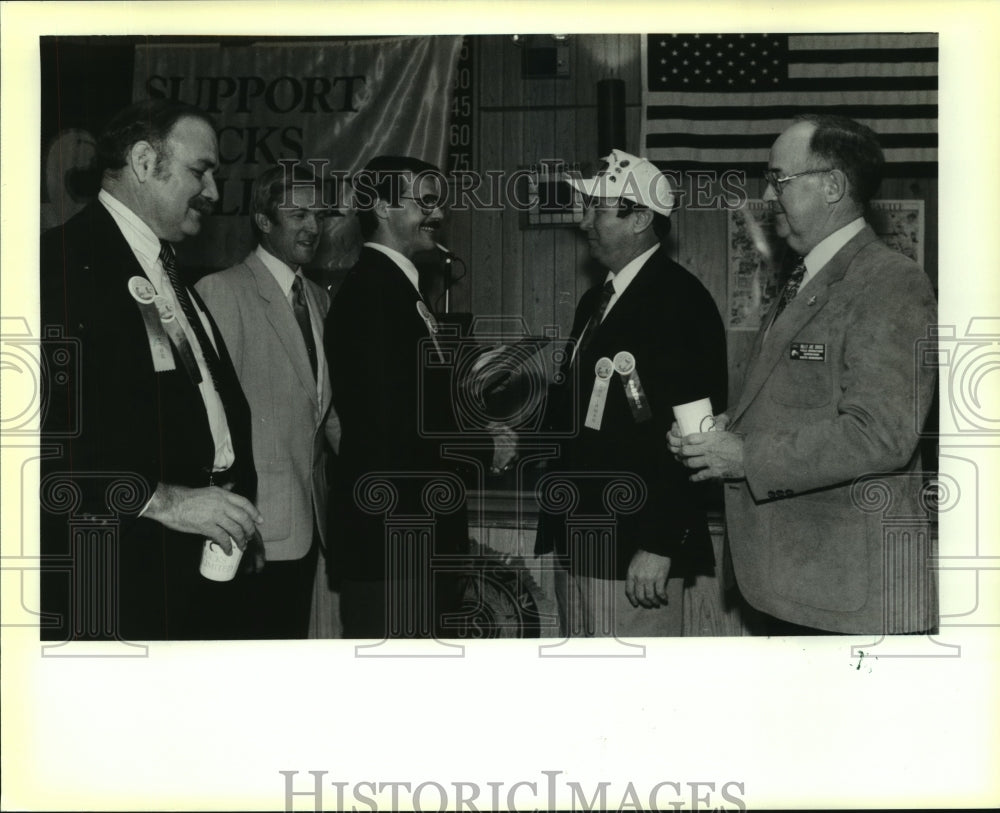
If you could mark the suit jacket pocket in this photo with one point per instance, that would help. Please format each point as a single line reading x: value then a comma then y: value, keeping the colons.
x: 819, y: 554
x: 274, y: 501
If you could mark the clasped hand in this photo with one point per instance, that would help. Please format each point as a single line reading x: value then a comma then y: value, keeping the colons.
x: 716, y: 455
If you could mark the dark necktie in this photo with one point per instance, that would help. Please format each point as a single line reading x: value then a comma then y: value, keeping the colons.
x: 301, y: 309
x: 607, y: 292
x: 169, y: 263
x: 791, y: 287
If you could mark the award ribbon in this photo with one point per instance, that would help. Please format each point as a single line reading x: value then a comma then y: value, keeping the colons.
x: 599, y: 395
x: 177, y: 335
x: 144, y: 293
x: 625, y: 367
x: 431, y: 323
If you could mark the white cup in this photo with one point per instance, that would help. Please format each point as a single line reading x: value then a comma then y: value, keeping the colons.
x: 694, y: 417
x: 216, y: 564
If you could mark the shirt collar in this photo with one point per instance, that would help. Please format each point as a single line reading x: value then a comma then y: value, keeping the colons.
x: 140, y: 238
x: 622, y: 279
x: 823, y: 252
x: 283, y: 274
x: 404, y: 262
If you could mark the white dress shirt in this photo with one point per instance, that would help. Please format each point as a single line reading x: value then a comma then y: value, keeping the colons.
x: 620, y: 280
x: 823, y: 251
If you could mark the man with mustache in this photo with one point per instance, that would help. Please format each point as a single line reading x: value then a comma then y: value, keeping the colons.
x: 830, y: 411
x: 271, y: 318
x: 376, y: 332
x: 153, y: 440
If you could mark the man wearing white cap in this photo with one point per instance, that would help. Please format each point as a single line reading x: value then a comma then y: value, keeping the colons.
x: 647, y: 338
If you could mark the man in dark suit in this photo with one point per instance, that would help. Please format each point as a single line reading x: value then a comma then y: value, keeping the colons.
x: 160, y: 455
x: 820, y: 459
x: 648, y: 338
x: 271, y: 318
x: 377, y: 335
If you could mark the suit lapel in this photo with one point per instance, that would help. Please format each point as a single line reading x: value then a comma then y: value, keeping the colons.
x: 626, y: 307
x: 317, y: 316
x: 769, y: 349
x: 282, y: 321
x: 107, y: 235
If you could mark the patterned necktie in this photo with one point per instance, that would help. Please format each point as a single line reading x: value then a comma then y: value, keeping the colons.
x: 169, y: 263
x: 607, y: 292
x: 791, y: 287
x: 301, y: 309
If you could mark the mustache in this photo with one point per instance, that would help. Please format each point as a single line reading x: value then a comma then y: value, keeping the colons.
x: 200, y: 204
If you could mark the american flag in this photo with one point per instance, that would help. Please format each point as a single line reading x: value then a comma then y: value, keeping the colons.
x: 720, y: 100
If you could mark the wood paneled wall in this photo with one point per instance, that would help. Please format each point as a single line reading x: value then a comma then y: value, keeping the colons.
x: 539, y: 274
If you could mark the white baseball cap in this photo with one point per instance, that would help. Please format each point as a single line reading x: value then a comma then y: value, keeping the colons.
x: 630, y: 177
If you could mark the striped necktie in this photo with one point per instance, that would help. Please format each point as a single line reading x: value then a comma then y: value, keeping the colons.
x: 169, y: 263
x: 301, y: 309
x: 607, y: 292
x: 791, y: 287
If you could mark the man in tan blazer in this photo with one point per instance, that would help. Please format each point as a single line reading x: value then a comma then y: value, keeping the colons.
x: 272, y: 317
x: 825, y: 522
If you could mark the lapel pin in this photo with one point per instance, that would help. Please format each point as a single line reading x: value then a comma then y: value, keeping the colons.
x: 812, y: 301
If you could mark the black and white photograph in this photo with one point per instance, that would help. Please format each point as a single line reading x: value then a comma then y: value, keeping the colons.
x: 573, y: 420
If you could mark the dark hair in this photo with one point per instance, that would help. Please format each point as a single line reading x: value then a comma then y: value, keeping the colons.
x: 151, y: 120
x: 273, y: 186
x: 381, y: 180
x: 851, y: 147
x: 661, y: 223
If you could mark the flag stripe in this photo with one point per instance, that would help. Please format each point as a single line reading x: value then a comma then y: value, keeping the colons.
x: 854, y: 41
x: 770, y: 105
x: 765, y: 140
x: 860, y: 83
x: 756, y: 158
x: 776, y: 125
x: 893, y: 55
x: 829, y: 70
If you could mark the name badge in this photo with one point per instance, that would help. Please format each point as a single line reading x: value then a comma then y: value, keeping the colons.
x: 599, y: 394
x: 807, y: 351
x: 144, y: 294
x: 625, y: 367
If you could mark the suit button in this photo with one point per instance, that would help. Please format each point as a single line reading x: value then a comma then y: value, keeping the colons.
x: 771, y: 494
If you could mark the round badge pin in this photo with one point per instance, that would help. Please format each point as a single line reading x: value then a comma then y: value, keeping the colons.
x: 142, y: 290
x: 165, y: 309
x: 604, y: 368
x: 624, y: 362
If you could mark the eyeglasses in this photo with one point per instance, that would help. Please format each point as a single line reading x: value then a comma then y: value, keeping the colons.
x: 428, y: 203
x: 777, y: 183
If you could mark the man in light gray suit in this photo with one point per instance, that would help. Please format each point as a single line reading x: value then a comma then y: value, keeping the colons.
x: 272, y: 318
x: 825, y: 522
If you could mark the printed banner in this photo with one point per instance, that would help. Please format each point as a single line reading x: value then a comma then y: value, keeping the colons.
x: 337, y: 105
